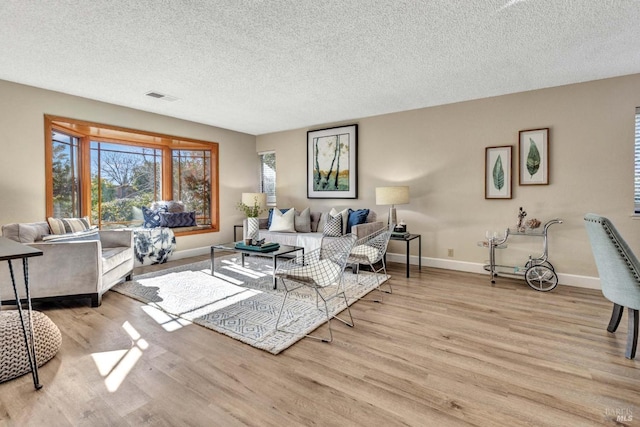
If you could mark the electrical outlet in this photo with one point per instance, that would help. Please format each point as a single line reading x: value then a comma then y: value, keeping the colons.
x: 450, y: 252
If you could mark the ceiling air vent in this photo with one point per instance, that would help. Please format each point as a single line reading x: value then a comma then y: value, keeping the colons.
x: 162, y: 96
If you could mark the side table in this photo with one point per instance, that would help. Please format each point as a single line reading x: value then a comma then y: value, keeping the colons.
x: 10, y: 250
x: 408, y: 239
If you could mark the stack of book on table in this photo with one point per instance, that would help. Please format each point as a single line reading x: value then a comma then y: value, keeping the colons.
x: 400, y: 234
x: 264, y: 247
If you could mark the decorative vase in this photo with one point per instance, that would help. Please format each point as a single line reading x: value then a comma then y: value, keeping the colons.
x: 253, y: 224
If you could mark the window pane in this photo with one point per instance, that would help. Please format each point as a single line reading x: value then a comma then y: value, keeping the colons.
x: 192, y: 182
x: 268, y: 176
x: 123, y: 179
x: 66, y: 186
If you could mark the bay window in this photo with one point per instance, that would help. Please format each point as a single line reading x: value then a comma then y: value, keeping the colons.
x: 110, y: 173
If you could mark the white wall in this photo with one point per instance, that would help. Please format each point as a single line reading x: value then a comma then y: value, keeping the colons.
x: 439, y: 152
x: 22, y: 174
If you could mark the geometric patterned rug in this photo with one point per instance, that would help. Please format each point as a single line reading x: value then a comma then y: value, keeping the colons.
x: 244, y: 306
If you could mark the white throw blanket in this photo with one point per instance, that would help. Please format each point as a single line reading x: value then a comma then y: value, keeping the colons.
x: 309, y: 241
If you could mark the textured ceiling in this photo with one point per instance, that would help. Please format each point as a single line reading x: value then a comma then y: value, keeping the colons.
x: 264, y: 66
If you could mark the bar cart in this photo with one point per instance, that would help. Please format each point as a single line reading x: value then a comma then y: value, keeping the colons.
x: 538, y: 272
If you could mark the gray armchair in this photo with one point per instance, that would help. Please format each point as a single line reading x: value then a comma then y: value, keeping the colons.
x: 619, y: 271
x: 76, y: 269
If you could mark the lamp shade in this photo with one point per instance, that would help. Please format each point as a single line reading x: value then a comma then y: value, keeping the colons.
x: 251, y: 199
x: 392, y: 195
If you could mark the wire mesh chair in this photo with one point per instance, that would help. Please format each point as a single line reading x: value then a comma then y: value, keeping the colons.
x: 321, y: 270
x: 370, y: 250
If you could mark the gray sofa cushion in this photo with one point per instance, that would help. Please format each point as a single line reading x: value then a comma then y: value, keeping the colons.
x: 303, y: 221
x: 26, y: 232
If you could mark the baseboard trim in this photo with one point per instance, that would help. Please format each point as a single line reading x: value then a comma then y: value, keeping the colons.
x: 188, y: 253
x: 446, y: 264
x: 472, y: 267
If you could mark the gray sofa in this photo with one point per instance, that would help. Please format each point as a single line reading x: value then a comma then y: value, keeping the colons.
x: 78, y: 269
x: 314, y: 239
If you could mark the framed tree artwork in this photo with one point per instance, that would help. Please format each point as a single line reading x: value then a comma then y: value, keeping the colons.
x: 332, y: 161
x: 533, y: 157
x: 497, y: 172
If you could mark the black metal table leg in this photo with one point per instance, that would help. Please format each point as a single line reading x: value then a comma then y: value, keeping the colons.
x: 408, y: 258
x: 29, y: 338
x: 420, y: 252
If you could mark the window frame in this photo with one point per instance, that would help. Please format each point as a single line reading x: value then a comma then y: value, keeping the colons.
x: 88, y: 131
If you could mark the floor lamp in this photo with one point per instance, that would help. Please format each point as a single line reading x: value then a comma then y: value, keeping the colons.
x: 392, y: 196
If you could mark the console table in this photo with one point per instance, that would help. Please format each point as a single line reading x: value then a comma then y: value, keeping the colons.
x: 408, y: 240
x: 10, y: 250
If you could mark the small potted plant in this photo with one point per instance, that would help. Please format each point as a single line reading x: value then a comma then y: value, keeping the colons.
x: 252, y: 204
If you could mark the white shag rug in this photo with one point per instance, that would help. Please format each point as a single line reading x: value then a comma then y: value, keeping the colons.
x: 244, y: 306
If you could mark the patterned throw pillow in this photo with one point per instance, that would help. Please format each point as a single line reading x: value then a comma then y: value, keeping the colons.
x: 333, y: 227
x: 151, y: 218
x: 345, y: 217
x: 177, y: 219
x: 77, y: 236
x: 68, y: 225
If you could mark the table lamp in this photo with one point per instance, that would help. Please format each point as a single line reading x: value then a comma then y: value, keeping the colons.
x: 258, y: 201
x: 392, y: 196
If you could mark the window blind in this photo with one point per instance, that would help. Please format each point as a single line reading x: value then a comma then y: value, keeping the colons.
x: 268, y: 176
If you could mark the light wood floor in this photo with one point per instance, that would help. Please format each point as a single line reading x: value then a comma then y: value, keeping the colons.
x: 445, y: 349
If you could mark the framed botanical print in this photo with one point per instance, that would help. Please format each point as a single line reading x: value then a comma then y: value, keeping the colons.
x: 497, y: 172
x: 332, y: 161
x: 533, y: 157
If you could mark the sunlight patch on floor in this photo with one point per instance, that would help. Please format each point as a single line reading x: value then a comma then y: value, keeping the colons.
x: 235, y: 268
x: 169, y: 322
x: 115, y: 365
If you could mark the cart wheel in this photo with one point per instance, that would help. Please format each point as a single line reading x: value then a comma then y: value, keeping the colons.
x: 541, y: 278
x: 545, y: 263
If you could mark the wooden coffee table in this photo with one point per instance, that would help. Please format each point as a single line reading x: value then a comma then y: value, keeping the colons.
x: 274, y: 255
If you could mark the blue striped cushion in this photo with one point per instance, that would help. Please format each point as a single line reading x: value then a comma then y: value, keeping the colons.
x: 68, y: 225
x: 177, y: 219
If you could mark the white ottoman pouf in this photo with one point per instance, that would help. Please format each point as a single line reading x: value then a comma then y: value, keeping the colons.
x: 13, y: 354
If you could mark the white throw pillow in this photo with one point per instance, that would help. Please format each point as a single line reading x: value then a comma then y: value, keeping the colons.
x: 284, y: 222
x: 345, y: 218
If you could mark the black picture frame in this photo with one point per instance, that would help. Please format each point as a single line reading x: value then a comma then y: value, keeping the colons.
x: 332, y: 163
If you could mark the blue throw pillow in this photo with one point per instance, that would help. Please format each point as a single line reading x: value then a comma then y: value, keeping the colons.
x: 151, y: 218
x: 177, y: 219
x: 356, y: 217
x: 271, y: 215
